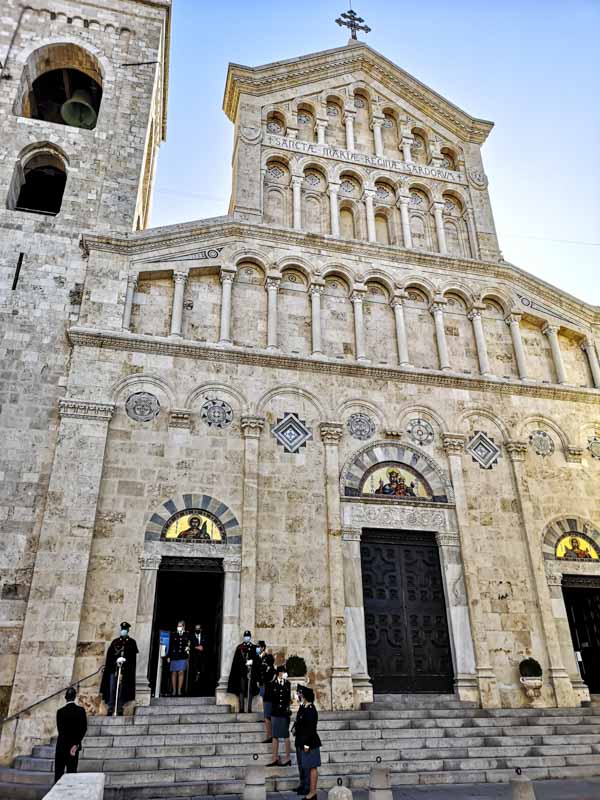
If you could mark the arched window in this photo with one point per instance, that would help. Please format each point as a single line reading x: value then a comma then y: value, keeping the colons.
x: 61, y: 83
x: 39, y: 182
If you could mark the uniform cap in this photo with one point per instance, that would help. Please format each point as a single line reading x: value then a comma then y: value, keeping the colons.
x: 125, y: 625
x: 308, y: 694
x: 247, y: 633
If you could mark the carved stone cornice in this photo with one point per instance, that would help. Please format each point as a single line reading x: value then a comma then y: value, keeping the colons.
x: 351, y: 534
x: 450, y: 539
x: 83, y: 409
x: 117, y: 340
x: 232, y: 564
x: 516, y: 450
x: 454, y: 443
x: 358, y: 514
x: 252, y: 426
x: 554, y: 578
x: 331, y: 432
x: 150, y: 561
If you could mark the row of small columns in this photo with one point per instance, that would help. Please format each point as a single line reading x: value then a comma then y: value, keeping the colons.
x: 272, y: 282
x: 403, y: 200
x: 377, y: 120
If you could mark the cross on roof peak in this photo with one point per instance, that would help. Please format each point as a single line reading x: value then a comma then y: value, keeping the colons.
x: 350, y: 19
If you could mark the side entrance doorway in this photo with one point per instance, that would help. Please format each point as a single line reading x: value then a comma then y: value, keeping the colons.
x: 408, y: 645
x: 582, y: 602
x: 189, y: 589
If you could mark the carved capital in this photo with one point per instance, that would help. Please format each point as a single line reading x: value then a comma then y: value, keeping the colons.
x: 550, y: 330
x: 132, y: 281
x: 475, y: 313
x: 297, y: 181
x: 180, y: 277
x: 331, y: 432
x: 180, y: 418
x: 334, y: 187
x: 516, y: 450
x: 437, y: 306
x: 252, y: 426
x: 574, y: 454
x: 83, y: 409
x: 587, y: 344
x: 554, y: 578
x: 514, y: 318
x: 150, y: 561
x: 316, y: 288
x: 272, y: 284
x: 227, y: 274
x: 232, y: 564
x: 351, y: 534
x: 357, y: 296
x: 450, y: 539
x: 453, y: 443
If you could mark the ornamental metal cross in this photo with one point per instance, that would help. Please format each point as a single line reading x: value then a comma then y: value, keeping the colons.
x: 350, y: 20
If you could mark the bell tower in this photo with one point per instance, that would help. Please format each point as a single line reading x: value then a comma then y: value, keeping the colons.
x: 82, y: 113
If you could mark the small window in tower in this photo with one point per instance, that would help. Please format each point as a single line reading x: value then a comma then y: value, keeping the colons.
x: 39, y: 184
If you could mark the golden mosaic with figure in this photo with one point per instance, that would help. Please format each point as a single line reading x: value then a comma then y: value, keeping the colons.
x: 575, y: 548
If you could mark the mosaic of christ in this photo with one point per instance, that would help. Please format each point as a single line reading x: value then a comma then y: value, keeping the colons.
x: 395, y: 480
x: 193, y: 526
x: 574, y: 548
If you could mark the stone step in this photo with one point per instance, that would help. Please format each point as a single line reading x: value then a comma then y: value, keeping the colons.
x: 196, y: 701
x: 187, y: 707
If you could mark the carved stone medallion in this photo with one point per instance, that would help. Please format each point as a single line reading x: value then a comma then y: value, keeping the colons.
x: 291, y: 432
x: 542, y: 443
x: 483, y: 450
x: 360, y: 426
x: 420, y: 431
x: 478, y: 178
x: 594, y: 446
x: 142, y: 406
x: 216, y: 413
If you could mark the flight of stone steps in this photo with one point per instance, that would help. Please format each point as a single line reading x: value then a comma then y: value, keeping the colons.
x: 191, y: 748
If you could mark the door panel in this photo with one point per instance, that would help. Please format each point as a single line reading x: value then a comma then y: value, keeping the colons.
x: 583, y: 612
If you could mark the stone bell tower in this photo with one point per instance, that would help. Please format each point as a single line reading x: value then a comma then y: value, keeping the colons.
x: 82, y: 113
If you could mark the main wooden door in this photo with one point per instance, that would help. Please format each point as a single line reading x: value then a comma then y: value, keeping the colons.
x: 583, y: 612
x: 408, y: 647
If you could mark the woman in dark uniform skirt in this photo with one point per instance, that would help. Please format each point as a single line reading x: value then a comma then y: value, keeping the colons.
x: 266, y: 690
x: 308, y: 741
x: 281, y: 697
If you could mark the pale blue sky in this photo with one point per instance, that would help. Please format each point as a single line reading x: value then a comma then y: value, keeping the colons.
x: 531, y: 66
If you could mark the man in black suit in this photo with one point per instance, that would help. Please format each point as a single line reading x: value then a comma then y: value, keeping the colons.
x: 71, y: 723
x: 198, y: 661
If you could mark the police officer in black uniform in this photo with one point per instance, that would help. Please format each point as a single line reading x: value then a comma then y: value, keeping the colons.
x: 245, y: 672
x: 180, y: 645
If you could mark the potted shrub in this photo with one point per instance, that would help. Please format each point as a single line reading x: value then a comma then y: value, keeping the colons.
x: 531, y: 677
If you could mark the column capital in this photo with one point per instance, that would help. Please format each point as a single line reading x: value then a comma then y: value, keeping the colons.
x: 475, y: 312
x: 449, y: 539
x: 297, y: 180
x: 587, y: 344
x: 369, y: 192
x: 437, y: 305
x: 376, y: 122
x: 574, y: 454
x: 453, y: 443
x: 351, y: 534
x: 438, y: 205
x: 331, y: 433
x: 84, y: 409
x: 333, y: 186
x: 554, y: 578
x: 549, y: 329
x: 316, y: 287
x: 513, y: 317
x: 227, y: 273
x: 132, y: 280
x: 232, y: 564
x: 349, y: 114
x: 272, y: 282
x: 398, y: 298
x: 150, y: 561
x: 180, y: 276
x: 517, y: 450
x: 357, y: 295
x: 252, y: 426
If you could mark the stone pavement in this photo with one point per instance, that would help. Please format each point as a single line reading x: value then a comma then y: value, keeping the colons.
x: 588, y: 789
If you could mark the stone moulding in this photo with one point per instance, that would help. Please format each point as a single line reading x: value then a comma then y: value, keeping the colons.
x: 87, y: 337
x: 83, y: 409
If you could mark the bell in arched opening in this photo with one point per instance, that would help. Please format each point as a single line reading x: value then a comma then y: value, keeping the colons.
x: 78, y: 111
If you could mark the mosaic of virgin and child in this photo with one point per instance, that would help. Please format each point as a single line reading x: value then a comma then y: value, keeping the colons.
x: 395, y: 481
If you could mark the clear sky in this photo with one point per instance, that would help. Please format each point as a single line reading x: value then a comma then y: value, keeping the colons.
x: 531, y: 66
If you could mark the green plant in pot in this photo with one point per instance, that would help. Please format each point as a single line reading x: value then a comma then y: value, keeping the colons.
x: 531, y: 677
x: 296, y: 667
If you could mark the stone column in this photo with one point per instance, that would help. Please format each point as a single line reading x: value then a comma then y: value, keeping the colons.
x: 321, y: 128
x: 315, y: 292
x: 515, y: 333
x: 342, y: 695
x: 334, y: 210
x: 272, y: 285
x: 530, y: 514
x: 149, y: 564
x: 359, y: 326
x: 227, y: 277
x: 405, y: 219
x: 589, y: 349
x: 482, y: 354
x: 401, y: 337
x: 180, y: 279
x: 369, y: 194
x: 354, y: 613
x: 488, y: 688
x: 437, y: 309
x: 349, y: 122
x: 131, y: 287
x: 376, y: 126
x: 465, y: 677
x: 405, y: 145
x: 53, y: 617
x: 472, y: 233
x: 252, y: 428
x: 438, y: 211
x: 232, y: 628
x: 551, y: 331
x: 297, y: 202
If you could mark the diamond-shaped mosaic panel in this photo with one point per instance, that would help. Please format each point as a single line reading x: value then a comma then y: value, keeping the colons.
x: 291, y: 432
x: 483, y: 450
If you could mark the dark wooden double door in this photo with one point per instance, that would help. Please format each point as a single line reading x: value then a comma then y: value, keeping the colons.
x: 583, y: 611
x: 408, y: 647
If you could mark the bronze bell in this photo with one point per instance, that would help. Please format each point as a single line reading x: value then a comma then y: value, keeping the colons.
x: 78, y: 110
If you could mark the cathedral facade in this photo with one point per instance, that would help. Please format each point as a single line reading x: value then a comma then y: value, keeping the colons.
x: 335, y: 416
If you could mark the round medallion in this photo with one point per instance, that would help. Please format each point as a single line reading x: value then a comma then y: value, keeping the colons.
x: 142, y: 406
x: 360, y: 426
x: 313, y: 179
x: 274, y: 127
x: 416, y: 199
x: 332, y: 111
x: 388, y: 122
x: 359, y: 102
x: 478, y: 178
x: 347, y: 187
x: 382, y: 193
x: 303, y: 118
x: 420, y: 431
x: 542, y: 443
x: 594, y: 446
x: 216, y: 413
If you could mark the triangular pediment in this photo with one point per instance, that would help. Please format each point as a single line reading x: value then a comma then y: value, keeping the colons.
x: 355, y: 58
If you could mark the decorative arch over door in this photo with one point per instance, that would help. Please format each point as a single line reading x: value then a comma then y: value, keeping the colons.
x: 219, y: 518
x: 417, y: 476
x: 571, y: 539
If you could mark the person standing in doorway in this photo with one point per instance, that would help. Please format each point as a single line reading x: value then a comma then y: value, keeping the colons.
x: 280, y: 716
x: 308, y: 741
x: 198, y: 659
x: 71, y: 724
x: 180, y: 645
x: 120, y: 658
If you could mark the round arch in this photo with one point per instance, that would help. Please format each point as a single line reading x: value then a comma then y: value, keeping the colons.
x: 162, y: 513
x: 564, y: 526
